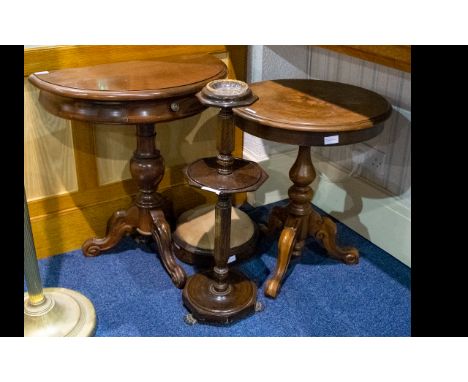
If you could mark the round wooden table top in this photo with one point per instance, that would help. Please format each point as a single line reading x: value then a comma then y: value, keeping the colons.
x: 129, y: 92
x: 313, y: 112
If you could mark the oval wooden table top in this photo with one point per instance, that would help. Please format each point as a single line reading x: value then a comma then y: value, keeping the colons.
x: 313, y: 112
x: 129, y: 92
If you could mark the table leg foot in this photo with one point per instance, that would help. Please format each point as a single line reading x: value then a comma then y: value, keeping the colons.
x: 162, y: 235
x: 286, y: 245
x: 189, y: 319
x: 121, y: 222
x: 324, y: 230
x: 259, y: 307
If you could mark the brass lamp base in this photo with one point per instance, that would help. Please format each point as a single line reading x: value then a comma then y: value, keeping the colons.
x: 63, y: 313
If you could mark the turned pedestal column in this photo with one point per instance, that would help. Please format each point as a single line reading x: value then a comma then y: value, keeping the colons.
x: 299, y: 221
x: 148, y: 214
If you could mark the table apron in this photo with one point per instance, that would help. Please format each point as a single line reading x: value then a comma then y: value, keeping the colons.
x: 307, y: 138
x: 121, y: 112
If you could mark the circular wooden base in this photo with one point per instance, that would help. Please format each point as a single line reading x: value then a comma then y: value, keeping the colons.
x: 194, y: 237
x: 208, y: 306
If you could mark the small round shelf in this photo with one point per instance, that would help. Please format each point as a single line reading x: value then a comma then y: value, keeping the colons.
x: 246, y: 176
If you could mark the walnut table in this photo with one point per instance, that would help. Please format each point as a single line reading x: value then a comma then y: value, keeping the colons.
x: 139, y: 93
x: 309, y: 113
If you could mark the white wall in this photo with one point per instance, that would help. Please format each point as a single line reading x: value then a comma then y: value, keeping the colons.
x: 359, y: 194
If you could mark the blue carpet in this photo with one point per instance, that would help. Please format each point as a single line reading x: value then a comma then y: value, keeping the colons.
x: 134, y: 296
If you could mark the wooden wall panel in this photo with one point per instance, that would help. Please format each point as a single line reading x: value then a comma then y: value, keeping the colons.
x: 49, y: 162
x: 66, y: 229
x: 84, y: 142
x: 73, y: 56
x: 393, y: 56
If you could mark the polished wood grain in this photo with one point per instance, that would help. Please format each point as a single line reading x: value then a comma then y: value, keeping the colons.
x: 286, y: 245
x: 161, y: 78
x: 109, y: 93
x: 122, y: 113
x: 314, y: 106
x: 394, y: 56
x: 305, y: 113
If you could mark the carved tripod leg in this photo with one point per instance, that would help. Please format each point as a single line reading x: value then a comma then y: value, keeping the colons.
x: 324, y: 231
x: 119, y: 224
x: 286, y: 244
x: 276, y: 220
x: 162, y: 235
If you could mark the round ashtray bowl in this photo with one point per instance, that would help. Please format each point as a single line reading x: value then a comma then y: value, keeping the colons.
x: 226, y: 93
x: 228, y: 88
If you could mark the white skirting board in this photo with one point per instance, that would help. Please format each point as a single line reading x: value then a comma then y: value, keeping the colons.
x: 380, y: 217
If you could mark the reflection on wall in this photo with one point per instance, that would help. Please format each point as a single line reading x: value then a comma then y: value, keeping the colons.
x: 49, y: 162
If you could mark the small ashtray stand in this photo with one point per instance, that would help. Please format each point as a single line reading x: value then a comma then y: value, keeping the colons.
x: 222, y: 295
